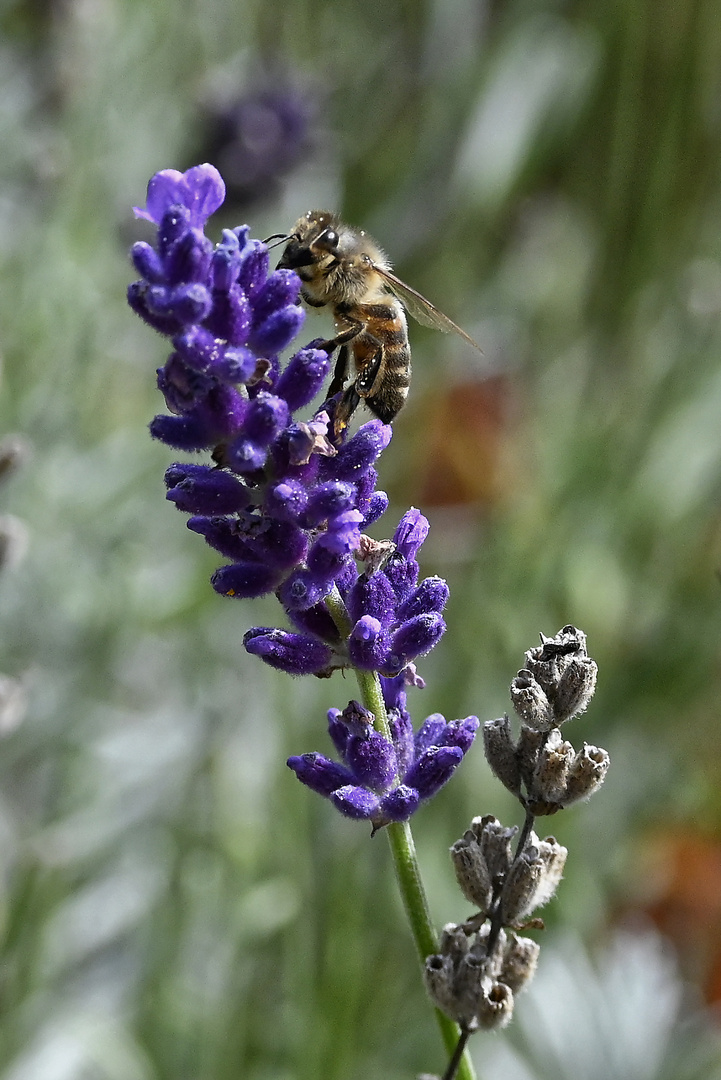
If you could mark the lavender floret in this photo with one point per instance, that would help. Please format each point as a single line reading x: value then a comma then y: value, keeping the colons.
x: 388, y: 781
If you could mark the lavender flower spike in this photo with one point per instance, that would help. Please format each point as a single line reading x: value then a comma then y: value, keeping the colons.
x: 285, y: 500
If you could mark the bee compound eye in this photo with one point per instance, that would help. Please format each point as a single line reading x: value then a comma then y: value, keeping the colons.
x: 328, y: 240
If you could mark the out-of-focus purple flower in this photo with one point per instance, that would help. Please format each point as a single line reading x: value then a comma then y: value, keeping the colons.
x: 380, y: 780
x: 260, y: 137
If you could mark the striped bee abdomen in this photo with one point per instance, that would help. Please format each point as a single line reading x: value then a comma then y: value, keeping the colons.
x: 382, y: 358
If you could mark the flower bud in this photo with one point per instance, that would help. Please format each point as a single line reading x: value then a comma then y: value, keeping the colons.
x: 564, y: 672
x: 554, y: 762
x: 472, y: 872
x: 530, y: 702
x: 297, y: 654
x: 495, y: 1007
x: 495, y: 843
x: 586, y: 774
x: 501, y: 753
x: 520, y: 958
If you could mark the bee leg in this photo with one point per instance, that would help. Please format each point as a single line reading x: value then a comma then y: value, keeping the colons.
x: 341, y: 339
x: 346, y: 407
x: 340, y: 373
x: 365, y: 384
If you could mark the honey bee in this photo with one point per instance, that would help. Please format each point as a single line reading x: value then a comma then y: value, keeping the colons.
x: 345, y: 269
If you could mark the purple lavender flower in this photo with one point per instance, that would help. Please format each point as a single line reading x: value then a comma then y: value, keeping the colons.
x: 394, y: 619
x: 380, y: 780
x: 286, y: 500
x: 283, y: 502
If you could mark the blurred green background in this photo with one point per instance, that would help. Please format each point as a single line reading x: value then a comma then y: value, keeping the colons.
x: 174, y: 905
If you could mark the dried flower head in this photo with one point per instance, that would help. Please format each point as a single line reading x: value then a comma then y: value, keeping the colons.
x: 557, y: 681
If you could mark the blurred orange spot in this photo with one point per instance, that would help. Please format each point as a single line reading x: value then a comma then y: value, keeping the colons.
x: 685, y: 873
x: 464, y: 427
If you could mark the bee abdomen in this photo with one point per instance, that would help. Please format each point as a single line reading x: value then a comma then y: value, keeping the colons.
x: 392, y: 390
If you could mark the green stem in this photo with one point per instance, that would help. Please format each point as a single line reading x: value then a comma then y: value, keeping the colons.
x: 403, y: 849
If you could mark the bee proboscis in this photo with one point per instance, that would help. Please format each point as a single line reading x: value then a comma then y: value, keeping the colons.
x: 345, y: 269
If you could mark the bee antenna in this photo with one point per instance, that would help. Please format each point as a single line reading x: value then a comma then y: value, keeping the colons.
x: 280, y: 237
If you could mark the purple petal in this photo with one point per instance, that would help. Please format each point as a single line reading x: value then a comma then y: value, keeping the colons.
x: 327, y: 501
x: 214, y: 492
x: 360, y: 451
x: 394, y: 692
x: 286, y: 500
x: 295, y: 654
x: 460, y: 733
x: 372, y: 596
x: 230, y: 316
x: 319, y: 773
x: 317, y: 621
x: 279, y: 544
x: 355, y: 802
x: 367, y: 644
x: 222, y: 534
x: 200, y: 189
x: 430, y: 732
x: 375, y: 508
x: 399, y: 804
x: 302, y: 589
x: 372, y: 760
x: 280, y: 290
x: 303, y: 377
x: 148, y: 263
x: 277, y: 331
x: 417, y: 636
x: 338, y: 731
x: 411, y: 532
x: 244, y: 580
x: 323, y: 562
x: 402, y: 574
x: 182, y: 432
x: 266, y: 417
x: 431, y: 595
x: 433, y: 769
x: 401, y: 727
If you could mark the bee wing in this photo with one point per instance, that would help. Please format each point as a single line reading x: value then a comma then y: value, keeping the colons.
x: 422, y: 310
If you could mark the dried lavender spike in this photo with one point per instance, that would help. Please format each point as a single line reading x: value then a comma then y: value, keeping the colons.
x: 564, y: 672
x: 521, y: 886
x: 530, y: 742
x: 553, y: 857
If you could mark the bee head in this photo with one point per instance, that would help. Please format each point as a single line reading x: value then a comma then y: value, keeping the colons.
x: 313, y: 239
